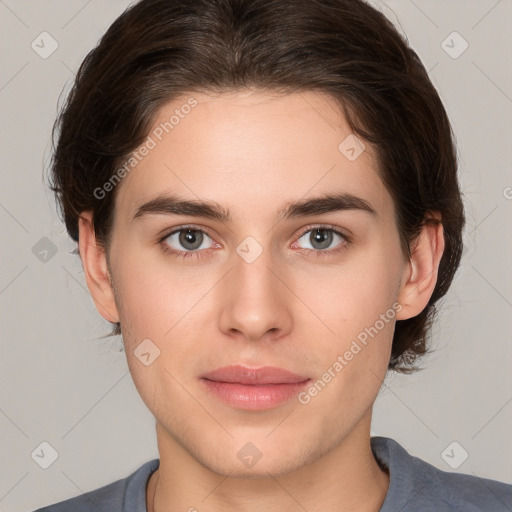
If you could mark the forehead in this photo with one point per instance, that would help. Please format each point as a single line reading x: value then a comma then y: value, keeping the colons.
x: 257, y: 148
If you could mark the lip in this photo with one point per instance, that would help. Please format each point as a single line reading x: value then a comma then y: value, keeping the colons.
x: 253, y: 388
x: 252, y: 376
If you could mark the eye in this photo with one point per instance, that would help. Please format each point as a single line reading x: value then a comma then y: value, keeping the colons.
x: 191, y: 242
x: 186, y: 242
x: 321, y: 238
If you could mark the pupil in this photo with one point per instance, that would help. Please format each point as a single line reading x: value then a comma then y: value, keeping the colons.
x: 190, y: 236
x: 322, y: 237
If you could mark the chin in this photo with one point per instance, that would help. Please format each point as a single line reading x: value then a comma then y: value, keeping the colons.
x: 245, y: 460
x: 260, y: 471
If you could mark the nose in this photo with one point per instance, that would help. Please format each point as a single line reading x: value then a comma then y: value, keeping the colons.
x: 255, y: 301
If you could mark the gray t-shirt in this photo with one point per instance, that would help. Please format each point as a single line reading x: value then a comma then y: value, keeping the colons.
x: 415, y: 486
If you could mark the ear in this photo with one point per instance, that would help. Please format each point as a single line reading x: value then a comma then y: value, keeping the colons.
x: 97, y: 275
x: 420, y: 276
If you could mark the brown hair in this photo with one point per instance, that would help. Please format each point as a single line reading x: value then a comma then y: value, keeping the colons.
x: 160, y: 49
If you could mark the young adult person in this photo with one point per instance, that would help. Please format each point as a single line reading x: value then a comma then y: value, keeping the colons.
x: 265, y: 200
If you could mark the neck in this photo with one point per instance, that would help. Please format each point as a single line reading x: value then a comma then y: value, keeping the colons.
x: 346, y: 478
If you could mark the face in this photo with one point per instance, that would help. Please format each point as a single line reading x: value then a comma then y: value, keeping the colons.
x: 310, y: 290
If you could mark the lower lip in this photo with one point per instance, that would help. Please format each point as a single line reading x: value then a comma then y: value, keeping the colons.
x: 254, y: 397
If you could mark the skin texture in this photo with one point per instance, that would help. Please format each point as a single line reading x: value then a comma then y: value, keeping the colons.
x: 253, y: 152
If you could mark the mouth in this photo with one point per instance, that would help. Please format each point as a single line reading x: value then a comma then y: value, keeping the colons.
x: 253, y: 388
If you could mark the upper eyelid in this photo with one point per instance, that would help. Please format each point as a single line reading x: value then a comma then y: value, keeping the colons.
x: 305, y: 230
x: 183, y: 228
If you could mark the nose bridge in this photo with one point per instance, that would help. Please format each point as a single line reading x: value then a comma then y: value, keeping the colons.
x: 255, y: 282
x: 252, y: 267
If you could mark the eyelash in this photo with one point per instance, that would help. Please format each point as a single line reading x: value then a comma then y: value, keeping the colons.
x: 199, y: 253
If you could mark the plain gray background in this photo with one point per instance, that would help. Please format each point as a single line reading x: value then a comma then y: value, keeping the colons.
x: 63, y: 385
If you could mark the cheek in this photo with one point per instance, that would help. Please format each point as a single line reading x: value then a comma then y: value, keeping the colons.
x: 354, y: 357
x: 357, y: 302
x: 155, y: 306
x: 154, y: 294
x: 168, y: 305
x: 354, y: 295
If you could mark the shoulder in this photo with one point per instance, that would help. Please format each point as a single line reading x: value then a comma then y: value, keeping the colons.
x: 112, y: 497
x: 419, y: 486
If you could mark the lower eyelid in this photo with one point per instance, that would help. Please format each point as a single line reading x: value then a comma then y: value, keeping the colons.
x: 344, y: 238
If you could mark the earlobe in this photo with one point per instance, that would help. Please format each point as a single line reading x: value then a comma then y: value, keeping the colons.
x: 97, y: 276
x: 420, y: 276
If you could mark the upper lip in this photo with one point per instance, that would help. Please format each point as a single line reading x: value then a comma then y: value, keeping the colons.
x: 251, y: 376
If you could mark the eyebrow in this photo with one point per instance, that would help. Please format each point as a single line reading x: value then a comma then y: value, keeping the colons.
x: 174, y: 205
